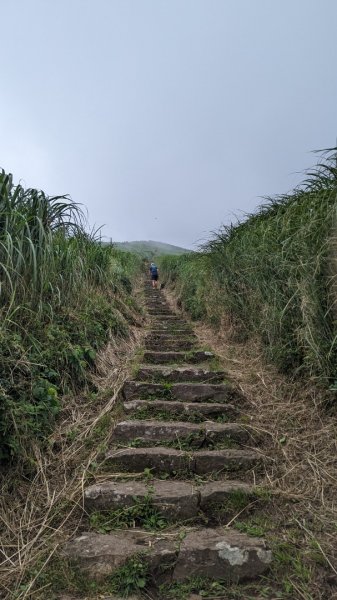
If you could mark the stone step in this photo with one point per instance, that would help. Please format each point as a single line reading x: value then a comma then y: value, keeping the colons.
x: 169, y: 345
x: 195, y: 410
x: 213, y: 553
x: 176, y: 502
x: 166, y: 331
x: 172, y: 462
x: 197, y: 435
x: 179, y: 374
x: 173, y: 500
x: 162, y: 358
x: 161, y: 312
x: 189, y: 392
x: 170, y: 319
x: 171, y: 324
x: 157, y: 303
x: 170, y: 336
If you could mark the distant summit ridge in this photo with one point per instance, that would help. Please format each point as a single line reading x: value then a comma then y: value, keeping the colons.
x: 150, y: 248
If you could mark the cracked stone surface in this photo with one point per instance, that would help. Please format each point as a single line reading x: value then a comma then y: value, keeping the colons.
x: 232, y: 556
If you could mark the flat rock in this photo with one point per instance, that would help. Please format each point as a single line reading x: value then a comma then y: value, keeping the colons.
x: 179, y: 374
x: 185, y: 409
x: 189, y: 392
x: 175, y: 500
x: 216, y: 554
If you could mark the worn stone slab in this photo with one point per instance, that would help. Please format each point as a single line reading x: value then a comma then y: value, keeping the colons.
x: 169, y: 320
x: 216, y: 554
x: 208, y: 461
x: 175, y: 500
x: 185, y: 409
x: 169, y: 345
x: 192, y: 357
x: 100, y: 555
x: 171, y: 461
x: 159, y: 460
x: 189, y: 392
x: 212, y: 553
x: 179, y: 374
x: 161, y: 313
x: 167, y: 330
x: 170, y: 336
x: 161, y: 432
x: 156, y: 431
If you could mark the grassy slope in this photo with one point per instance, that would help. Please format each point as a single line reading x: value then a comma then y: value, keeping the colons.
x: 272, y: 276
x: 62, y: 296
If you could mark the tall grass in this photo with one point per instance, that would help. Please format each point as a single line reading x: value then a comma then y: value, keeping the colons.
x: 59, y: 290
x: 274, y: 274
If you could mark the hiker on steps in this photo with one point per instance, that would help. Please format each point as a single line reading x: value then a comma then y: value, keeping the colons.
x: 154, y: 273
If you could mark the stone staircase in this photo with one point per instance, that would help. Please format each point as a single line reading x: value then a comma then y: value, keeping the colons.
x: 175, y: 453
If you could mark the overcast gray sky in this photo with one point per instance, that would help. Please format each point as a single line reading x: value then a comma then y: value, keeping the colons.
x: 166, y: 118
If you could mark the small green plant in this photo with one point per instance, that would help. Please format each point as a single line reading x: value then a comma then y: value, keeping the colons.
x: 131, y: 577
x: 142, y: 513
x: 255, y: 527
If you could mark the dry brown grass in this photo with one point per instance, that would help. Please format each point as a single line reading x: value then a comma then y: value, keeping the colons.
x: 41, y: 507
x: 299, y: 436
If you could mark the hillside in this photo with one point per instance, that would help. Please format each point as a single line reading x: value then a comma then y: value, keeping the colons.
x: 150, y: 249
x: 112, y: 392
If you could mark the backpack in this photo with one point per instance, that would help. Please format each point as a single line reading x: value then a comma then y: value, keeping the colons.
x: 154, y: 270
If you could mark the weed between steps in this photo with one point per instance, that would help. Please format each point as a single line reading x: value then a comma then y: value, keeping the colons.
x: 142, y: 513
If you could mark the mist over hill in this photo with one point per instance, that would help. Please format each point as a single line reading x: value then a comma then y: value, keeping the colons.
x: 150, y: 249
